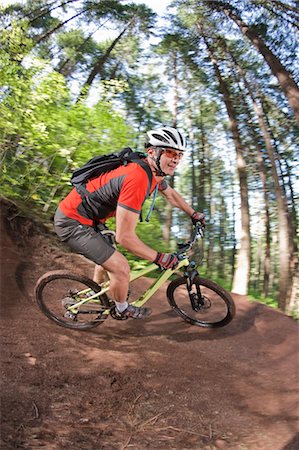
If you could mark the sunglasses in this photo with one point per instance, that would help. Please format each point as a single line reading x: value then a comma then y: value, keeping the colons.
x: 172, y: 153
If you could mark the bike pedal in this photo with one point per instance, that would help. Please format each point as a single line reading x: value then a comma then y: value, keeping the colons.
x: 116, y: 315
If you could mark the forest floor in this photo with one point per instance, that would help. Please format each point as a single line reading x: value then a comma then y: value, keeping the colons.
x: 156, y: 384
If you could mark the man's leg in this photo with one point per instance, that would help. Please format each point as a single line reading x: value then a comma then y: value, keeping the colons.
x: 100, y: 274
x: 119, y: 274
x: 86, y: 241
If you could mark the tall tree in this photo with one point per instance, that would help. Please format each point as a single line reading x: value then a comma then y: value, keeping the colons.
x: 285, y: 79
x: 242, y: 272
x: 137, y: 19
x: 284, y: 236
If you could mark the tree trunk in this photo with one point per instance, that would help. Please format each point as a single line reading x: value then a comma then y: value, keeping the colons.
x: 193, y: 153
x: 262, y: 175
x: 98, y: 67
x: 202, y: 150
x: 48, y: 33
x: 42, y: 13
x: 67, y: 66
x: 242, y: 272
x: 285, y: 7
x: 283, y: 232
x: 211, y: 244
x: 222, y: 233
x: 232, y: 258
x: 285, y: 237
x: 168, y: 211
x: 284, y: 77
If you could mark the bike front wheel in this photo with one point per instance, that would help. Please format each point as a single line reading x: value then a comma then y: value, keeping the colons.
x: 57, y: 294
x: 206, y: 305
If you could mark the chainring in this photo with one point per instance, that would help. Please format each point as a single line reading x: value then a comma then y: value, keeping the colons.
x: 116, y: 315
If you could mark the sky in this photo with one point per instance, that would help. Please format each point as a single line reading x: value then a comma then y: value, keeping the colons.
x: 158, y: 6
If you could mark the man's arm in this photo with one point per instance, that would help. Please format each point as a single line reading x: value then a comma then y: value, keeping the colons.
x: 175, y: 199
x: 126, y: 236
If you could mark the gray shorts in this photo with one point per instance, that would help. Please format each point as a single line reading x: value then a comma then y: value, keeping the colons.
x: 84, y: 239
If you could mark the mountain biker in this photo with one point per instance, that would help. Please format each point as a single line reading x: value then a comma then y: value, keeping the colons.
x: 121, y: 193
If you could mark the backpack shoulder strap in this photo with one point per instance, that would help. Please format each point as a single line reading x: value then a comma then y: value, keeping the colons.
x: 136, y: 158
x: 149, y: 173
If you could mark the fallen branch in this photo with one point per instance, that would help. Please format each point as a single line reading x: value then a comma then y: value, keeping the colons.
x: 126, y: 443
x: 152, y: 420
x: 36, y: 411
x: 181, y: 430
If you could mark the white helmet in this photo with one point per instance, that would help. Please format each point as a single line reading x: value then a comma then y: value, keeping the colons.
x: 166, y: 137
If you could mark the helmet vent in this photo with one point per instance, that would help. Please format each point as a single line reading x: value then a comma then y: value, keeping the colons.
x: 160, y: 138
x: 170, y: 135
x: 181, y: 137
x: 167, y: 137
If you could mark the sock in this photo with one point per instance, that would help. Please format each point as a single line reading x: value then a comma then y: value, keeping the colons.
x: 121, y: 306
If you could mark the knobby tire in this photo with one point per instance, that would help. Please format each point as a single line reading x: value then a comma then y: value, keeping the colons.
x: 215, y: 297
x: 48, y: 280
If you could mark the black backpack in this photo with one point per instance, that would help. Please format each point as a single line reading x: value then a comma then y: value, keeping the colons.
x: 104, y: 163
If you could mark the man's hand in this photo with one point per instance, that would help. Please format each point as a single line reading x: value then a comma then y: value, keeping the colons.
x: 166, y: 260
x: 198, y: 217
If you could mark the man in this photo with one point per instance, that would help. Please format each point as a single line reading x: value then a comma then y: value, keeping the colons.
x: 121, y: 193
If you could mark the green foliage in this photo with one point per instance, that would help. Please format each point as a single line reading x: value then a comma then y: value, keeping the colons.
x: 214, y: 276
x: 43, y: 135
x: 255, y: 296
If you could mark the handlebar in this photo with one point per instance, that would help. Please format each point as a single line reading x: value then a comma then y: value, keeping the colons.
x: 198, y: 230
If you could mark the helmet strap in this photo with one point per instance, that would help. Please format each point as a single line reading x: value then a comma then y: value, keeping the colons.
x: 158, y: 171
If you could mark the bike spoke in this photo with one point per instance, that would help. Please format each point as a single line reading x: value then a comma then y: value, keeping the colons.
x: 68, y: 300
x: 207, y: 304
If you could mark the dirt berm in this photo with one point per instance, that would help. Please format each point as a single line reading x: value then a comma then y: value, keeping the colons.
x: 156, y: 384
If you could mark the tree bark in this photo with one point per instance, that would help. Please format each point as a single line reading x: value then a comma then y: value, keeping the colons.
x: 48, y: 33
x: 242, y: 272
x: 288, y: 85
x: 285, y: 237
x: 67, y: 66
x: 285, y: 7
x: 98, y: 66
x: 168, y: 211
x: 263, y: 177
x: 202, y: 158
x: 43, y: 12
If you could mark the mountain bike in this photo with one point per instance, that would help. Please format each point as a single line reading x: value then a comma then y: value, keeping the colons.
x: 74, y: 301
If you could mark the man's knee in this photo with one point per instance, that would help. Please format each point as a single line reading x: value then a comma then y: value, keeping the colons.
x: 117, y: 265
x: 123, y: 273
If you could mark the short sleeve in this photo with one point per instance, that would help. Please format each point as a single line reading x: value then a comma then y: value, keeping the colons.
x: 133, y: 191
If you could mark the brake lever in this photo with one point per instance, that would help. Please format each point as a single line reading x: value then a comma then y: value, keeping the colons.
x: 182, y: 245
x: 183, y: 248
x: 200, y: 230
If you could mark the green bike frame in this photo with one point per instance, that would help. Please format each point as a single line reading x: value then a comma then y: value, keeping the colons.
x: 158, y: 283
x: 134, y: 275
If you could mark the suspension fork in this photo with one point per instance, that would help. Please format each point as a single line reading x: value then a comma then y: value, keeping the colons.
x: 195, y: 297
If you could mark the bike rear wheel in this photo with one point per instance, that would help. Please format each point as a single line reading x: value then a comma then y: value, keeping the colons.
x: 57, y: 291
x: 215, y: 307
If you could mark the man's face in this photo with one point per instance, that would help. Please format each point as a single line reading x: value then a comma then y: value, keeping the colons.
x: 169, y: 160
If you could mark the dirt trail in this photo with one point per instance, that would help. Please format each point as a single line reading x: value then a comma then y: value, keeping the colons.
x: 156, y: 384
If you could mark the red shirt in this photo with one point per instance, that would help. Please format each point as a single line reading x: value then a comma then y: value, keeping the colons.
x: 125, y: 186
